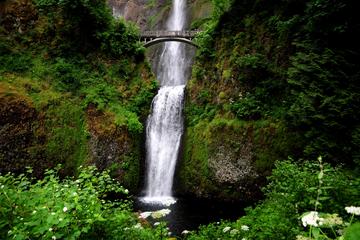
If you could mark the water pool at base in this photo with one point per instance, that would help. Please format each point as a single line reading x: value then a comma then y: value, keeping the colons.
x: 190, y: 213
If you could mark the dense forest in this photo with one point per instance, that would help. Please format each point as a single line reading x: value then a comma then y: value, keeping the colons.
x: 272, y: 117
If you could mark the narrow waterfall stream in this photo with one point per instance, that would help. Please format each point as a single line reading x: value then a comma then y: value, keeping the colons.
x: 165, y: 123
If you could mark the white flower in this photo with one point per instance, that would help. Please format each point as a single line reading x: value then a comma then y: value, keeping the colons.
x: 226, y: 229
x: 234, y: 232
x: 2, y: 186
x: 65, y: 209
x: 244, y: 227
x: 74, y: 194
x: 156, y: 223
x: 53, y: 238
x: 185, y: 232
x: 160, y: 213
x: 353, y: 210
x: 50, y: 229
x: 243, y: 239
x: 138, y: 226
x: 126, y: 191
x: 53, y: 213
x: 34, y: 212
x: 60, y: 219
x: 332, y: 220
x: 312, y: 219
x: 145, y: 215
x: 300, y: 237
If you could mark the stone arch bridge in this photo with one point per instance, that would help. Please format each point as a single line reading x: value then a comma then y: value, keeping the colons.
x: 150, y: 38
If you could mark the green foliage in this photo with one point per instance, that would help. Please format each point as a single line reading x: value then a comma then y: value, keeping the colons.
x: 12, y: 61
x: 322, y: 94
x: 82, y: 25
x: 195, y: 113
x: 124, y: 117
x: 142, y: 99
x: 209, y: 141
x: 292, y: 190
x: 205, y: 38
x: 66, y: 74
x: 80, y: 21
x: 68, y: 209
x: 67, y: 135
x: 247, y: 108
x: 353, y: 232
x: 294, y: 61
x: 194, y: 170
x: 101, y: 95
x: 220, y: 7
x: 120, y: 39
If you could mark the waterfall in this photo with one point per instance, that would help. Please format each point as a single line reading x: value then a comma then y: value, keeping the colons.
x: 165, y: 123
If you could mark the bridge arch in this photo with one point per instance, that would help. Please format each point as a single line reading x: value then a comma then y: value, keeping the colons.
x: 169, y: 39
x: 150, y: 38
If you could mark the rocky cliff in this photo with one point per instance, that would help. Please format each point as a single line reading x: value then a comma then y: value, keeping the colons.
x: 152, y: 15
x: 268, y: 83
x: 73, y: 107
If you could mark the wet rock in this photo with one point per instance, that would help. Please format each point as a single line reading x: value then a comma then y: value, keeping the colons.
x: 18, y: 121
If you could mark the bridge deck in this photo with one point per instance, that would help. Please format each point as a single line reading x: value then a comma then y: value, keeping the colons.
x: 169, y: 34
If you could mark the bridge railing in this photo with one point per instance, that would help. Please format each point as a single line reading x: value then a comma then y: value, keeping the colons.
x: 162, y: 33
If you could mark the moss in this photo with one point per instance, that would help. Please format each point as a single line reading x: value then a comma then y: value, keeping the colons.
x: 55, y: 133
x: 227, y: 158
x: 17, y: 118
x: 66, y: 134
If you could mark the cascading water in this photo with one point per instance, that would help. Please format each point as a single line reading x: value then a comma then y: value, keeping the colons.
x: 165, y: 123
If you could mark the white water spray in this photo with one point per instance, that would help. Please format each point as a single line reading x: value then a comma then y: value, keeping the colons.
x: 165, y: 123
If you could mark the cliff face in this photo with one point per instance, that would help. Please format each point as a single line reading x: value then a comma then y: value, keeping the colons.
x: 268, y: 83
x: 114, y: 148
x: 18, y: 122
x: 152, y: 15
x: 71, y: 108
x: 134, y: 10
x: 225, y: 158
x: 42, y: 136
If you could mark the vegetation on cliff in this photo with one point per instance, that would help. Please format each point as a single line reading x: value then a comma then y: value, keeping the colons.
x: 281, y: 78
x: 83, y: 76
x: 291, y: 64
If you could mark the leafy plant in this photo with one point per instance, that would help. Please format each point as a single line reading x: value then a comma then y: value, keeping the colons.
x: 292, y: 190
x: 68, y: 209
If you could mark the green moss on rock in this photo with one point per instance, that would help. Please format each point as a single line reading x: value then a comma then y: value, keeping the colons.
x: 229, y: 158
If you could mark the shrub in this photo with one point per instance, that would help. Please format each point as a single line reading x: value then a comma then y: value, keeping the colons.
x: 68, y: 209
x: 293, y: 189
x: 67, y: 76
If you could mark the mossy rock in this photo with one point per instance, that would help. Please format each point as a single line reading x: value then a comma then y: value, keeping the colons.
x: 230, y: 159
